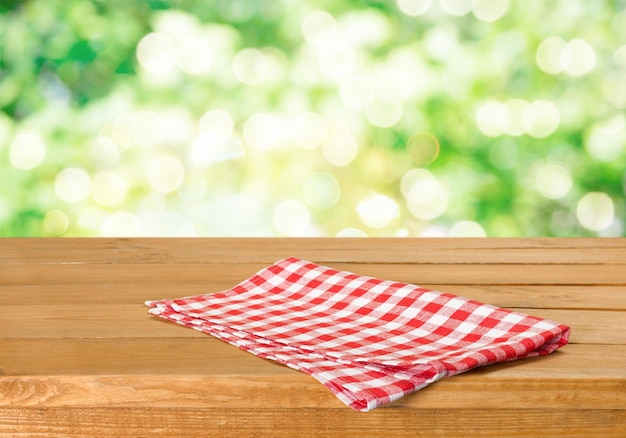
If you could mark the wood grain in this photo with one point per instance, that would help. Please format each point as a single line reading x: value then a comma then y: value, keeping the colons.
x: 320, y: 250
x: 144, y: 421
x: 80, y: 355
x: 510, y: 296
x: 132, y: 320
x: 205, y: 375
x: 196, y: 273
x: 206, y: 355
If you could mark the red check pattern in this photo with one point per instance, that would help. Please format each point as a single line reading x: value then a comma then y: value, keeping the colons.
x: 369, y: 341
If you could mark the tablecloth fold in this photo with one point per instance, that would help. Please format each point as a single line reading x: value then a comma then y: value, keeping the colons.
x: 369, y: 341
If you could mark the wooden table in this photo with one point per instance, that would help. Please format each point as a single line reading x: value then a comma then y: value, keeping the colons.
x: 80, y: 355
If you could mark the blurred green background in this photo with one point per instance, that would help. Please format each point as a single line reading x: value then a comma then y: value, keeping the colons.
x: 312, y: 118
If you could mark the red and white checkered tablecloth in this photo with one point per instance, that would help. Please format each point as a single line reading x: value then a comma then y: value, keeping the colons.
x: 369, y: 341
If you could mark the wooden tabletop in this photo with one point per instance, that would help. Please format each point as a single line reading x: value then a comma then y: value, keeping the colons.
x: 80, y: 355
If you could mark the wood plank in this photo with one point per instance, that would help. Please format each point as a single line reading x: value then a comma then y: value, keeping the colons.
x: 184, y: 273
x: 133, y: 320
x: 127, y: 356
x: 588, y: 326
x: 527, y: 296
x: 314, y: 423
x: 542, y: 296
x: 84, y: 321
x: 209, y: 356
x: 96, y: 294
x: 299, y: 392
x: 321, y: 250
x: 491, y: 388
x: 240, y: 244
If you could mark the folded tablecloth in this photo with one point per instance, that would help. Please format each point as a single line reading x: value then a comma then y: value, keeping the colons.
x: 370, y: 341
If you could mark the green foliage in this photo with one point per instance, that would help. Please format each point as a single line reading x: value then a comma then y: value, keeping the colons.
x: 316, y: 117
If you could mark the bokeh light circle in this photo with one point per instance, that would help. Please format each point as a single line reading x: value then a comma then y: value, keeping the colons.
x: 456, y: 8
x: 595, y: 211
x: 548, y: 55
x: 55, y: 222
x: 27, y: 151
x: 553, y: 180
x: 309, y: 130
x: 109, y: 189
x: 156, y: 52
x: 489, y: 10
x: 425, y: 197
x: 414, y: 8
x: 606, y: 140
x: 422, y: 148
x: 262, y: 132
x: 385, y: 110
x: 319, y: 28
x: 340, y: 149
x: 467, y: 229
x: 493, y: 118
x: 351, y: 232
x: 250, y: 66
x: 216, y: 124
x: 577, y: 57
x: 195, y: 55
x: 377, y: 211
x: 166, y: 174
x: 320, y: 191
x: 72, y: 184
x: 541, y: 118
